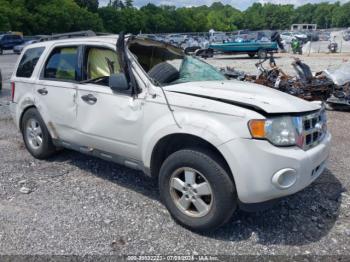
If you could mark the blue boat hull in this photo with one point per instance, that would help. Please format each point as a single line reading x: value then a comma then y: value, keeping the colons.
x: 244, y: 47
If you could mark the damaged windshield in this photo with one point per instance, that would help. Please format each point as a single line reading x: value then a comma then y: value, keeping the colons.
x: 168, y: 65
x: 193, y: 69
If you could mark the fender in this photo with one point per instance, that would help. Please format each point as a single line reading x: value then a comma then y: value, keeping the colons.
x: 29, y: 101
x: 216, y: 130
x: 23, y: 103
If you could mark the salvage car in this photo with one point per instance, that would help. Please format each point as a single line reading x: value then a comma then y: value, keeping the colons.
x: 213, y: 144
x: 340, y: 98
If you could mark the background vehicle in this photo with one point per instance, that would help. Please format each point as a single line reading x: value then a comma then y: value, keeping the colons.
x: 324, y: 36
x: 18, y: 48
x: 9, y: 41
x: 176, y: 39
x: 287, y: 37
x: 346, y: 35
x: 216, y: 37
x: 200, y: 132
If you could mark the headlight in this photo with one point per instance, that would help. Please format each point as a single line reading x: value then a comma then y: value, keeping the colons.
x: 280, y: 131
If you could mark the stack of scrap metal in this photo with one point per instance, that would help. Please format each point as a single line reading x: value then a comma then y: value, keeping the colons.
x: 331, y: 86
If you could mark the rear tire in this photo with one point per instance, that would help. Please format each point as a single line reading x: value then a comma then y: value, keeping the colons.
x: 262, y: 54
x: 36, y: 137
x: 1, y: 51
x: 179, y: 177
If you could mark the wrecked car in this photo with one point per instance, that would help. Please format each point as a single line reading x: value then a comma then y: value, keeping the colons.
x: 340, y: 98
x: 213, y: 144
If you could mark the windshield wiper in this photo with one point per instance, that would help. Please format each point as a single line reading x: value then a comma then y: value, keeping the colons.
x: 92, y: 80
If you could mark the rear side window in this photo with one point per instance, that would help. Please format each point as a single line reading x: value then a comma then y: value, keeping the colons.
x: 62, y: 64
x: 28, y: 62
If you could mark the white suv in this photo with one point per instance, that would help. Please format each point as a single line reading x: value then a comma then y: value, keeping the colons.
x: 212, y: 143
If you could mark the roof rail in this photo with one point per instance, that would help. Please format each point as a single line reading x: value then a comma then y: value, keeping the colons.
x: 86, y: 33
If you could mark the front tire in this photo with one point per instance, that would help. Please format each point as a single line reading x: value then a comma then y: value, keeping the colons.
x: 197, y: 190
x: 36, y: 137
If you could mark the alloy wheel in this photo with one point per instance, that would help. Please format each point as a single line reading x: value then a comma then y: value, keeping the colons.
x: 191, y: 192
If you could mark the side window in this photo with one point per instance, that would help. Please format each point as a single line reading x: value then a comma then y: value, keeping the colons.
x: 100, y: 62
x: 28, y: 62
x: 62, y: 64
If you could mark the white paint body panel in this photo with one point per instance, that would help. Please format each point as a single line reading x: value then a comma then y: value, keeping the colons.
x: 122, y: 125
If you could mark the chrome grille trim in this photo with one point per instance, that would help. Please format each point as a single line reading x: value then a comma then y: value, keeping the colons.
x: 314, y: 128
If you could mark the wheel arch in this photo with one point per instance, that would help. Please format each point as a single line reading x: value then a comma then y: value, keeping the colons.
x: 22, y: 114
x: 174, y: 142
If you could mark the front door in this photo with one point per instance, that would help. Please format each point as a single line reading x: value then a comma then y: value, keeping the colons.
x: 107, y: 120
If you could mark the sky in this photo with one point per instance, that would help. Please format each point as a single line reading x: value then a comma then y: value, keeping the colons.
x: 239, y: 4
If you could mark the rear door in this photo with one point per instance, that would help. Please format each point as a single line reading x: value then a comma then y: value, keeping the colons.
x: 56, y: 90
x: 107, y: 120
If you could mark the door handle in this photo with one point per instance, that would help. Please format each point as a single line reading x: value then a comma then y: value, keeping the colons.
x: 42, y: 91
x: 90, y: 99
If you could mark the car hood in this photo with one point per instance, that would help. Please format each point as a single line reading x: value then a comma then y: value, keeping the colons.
x: 256, y: 97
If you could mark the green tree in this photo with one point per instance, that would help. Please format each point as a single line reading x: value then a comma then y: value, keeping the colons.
x: 112, y: 18
x: 341, y: 15
x: 91, y: 5
x: 5, y: 14
x: 128, y: 3
x: 254, y: 17
x: 119, y: 4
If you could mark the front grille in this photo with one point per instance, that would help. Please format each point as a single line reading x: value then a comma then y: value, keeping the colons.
x: 314, y: 128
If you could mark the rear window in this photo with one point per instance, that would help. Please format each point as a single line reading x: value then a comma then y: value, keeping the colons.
x: 62, y: 64
x: 28, y: 62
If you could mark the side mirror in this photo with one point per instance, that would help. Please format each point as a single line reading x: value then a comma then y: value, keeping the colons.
x: 118, y: 82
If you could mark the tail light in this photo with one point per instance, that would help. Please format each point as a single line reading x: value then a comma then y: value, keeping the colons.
x: 13, y: 88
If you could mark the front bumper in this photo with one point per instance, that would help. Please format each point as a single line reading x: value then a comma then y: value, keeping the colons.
x: 255, y: 163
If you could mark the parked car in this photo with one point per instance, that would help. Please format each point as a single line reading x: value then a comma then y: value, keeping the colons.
x: 216, y: 37
x: 312, y: 36
x: 324, y: 36
x: 9, y: 41
x: 287, y: 37
x: 18, y: 48
x: 152, y: 36
x: 213, y: 144
x: 175, y: 39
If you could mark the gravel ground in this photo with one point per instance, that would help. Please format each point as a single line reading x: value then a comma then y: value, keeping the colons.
x: 317, y: 62
x: 82, y: 205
